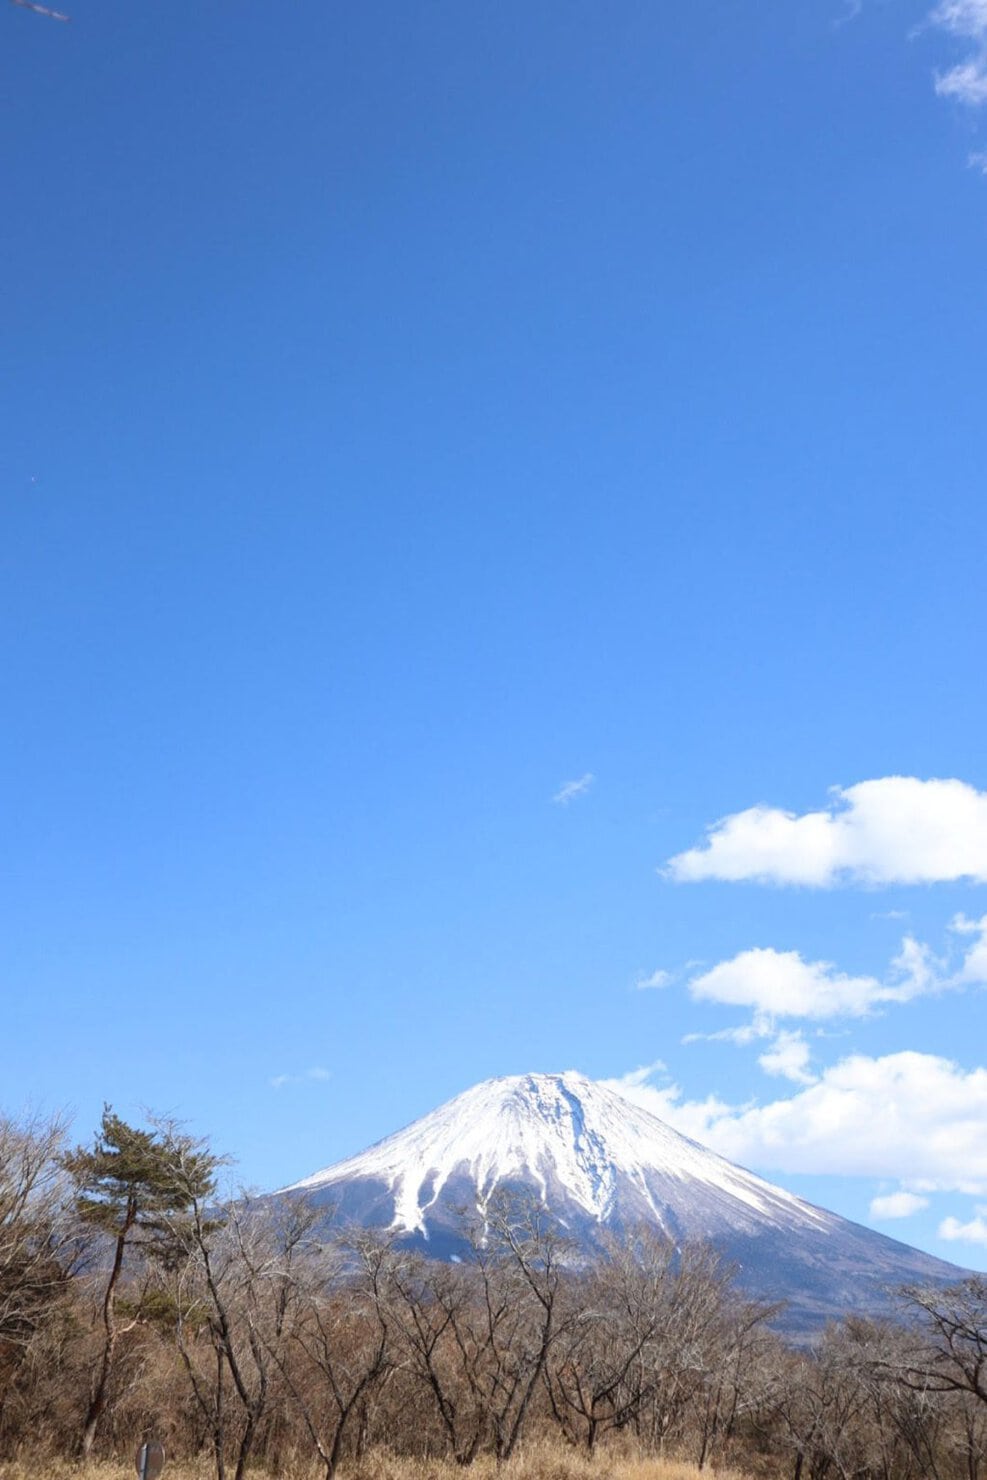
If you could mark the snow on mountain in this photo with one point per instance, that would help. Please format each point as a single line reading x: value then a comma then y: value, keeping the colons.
x: 579, y: 1143
x: 597, y: 1161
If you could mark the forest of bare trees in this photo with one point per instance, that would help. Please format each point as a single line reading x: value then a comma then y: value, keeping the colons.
x: 135, y: 1303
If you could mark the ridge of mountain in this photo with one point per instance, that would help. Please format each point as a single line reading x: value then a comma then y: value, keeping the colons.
x: 597, y: 1161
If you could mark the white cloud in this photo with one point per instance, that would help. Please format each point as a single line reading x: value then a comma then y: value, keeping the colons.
x: 967, y: 81
x: 572, y: 789
x: 690, y: 1117
x: 893, y: 830
x: 963, y: 17
x: 915, y: 971
x: 744, y: 1034
x: 974, y: 968
x: 316, y: 1075
x: 788, y: 1057
x: 656, y: 980
x: 911, y: 1116
x: 638, y: 1078
x: 780, y: 984
x: 897, y: 1205
x: 974, y: 1232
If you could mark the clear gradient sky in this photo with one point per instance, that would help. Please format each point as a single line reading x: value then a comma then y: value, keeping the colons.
x: 452, y: 457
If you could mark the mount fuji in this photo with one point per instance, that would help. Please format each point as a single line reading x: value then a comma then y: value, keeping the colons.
x: 598, y: 1162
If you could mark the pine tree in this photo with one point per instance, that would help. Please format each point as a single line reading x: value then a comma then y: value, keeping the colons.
x: 130, y: 1185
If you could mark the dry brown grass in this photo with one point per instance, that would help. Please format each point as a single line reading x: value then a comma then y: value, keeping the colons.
x: 538, y: 1462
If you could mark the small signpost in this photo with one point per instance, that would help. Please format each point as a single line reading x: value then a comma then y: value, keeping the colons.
x: 149, y: 1460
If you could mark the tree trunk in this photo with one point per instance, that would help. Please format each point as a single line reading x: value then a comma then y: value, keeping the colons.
x: 219, y: 1427
x: 98, y: 1401
x: 246, y: 1445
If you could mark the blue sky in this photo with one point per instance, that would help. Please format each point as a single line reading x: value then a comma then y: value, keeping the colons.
x: 413, y: 412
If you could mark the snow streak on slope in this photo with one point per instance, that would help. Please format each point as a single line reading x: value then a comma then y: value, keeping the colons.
x: 582, y: 1146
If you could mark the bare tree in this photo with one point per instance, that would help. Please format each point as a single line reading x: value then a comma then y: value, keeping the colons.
x: 34, y: 1230
x: 646, y: 1335
x: 478, y: 1334
x: 903, y: 1422
x: 734, y: 1390
x: 37, y: 1249
x: 819, y: 1402
x: 684, y: 1356
x: 953, y: 1321
x: 428, y: 1301
x: 519, y: 1260
x: 342, y: 1337
x: 234, y: 1285
x: 966, y: 1437
x: 599, y: 1378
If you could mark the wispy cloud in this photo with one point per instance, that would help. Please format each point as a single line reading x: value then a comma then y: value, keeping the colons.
x: 853, y: 9
x: 316, y: 1075
x: 638, y: 1078
x: 742, y: 1035
x: 893, y: 830
x: 655, y: 981
x: 570, y: 790
x: 966, y: 82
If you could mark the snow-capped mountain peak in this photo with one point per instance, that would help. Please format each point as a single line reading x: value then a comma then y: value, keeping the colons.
x: 597, y: 1161
x: 579, y: 1143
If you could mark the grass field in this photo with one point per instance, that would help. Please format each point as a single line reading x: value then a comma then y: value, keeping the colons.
x: 536, y: 1463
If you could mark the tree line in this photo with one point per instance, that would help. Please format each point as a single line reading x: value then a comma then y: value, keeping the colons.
x: 135, y: 1303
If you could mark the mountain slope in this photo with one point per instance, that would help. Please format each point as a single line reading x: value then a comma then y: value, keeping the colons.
x: 597, y: 1161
